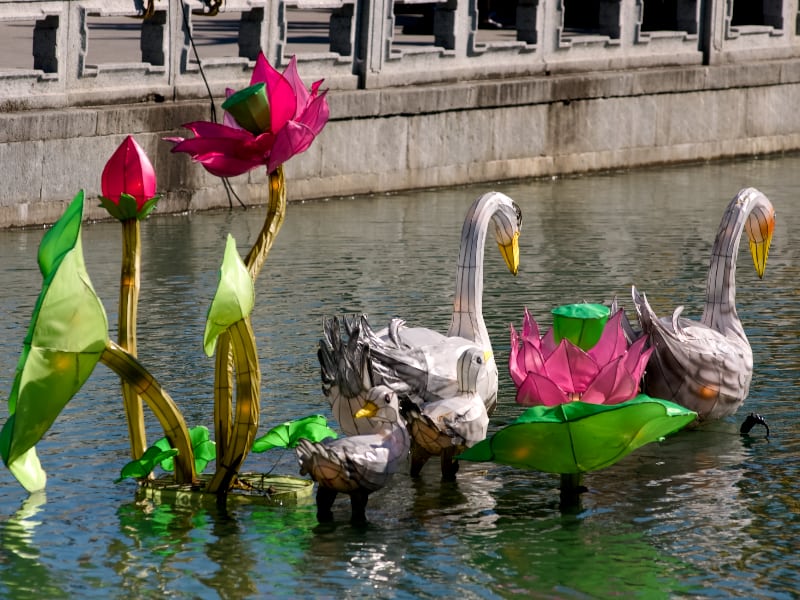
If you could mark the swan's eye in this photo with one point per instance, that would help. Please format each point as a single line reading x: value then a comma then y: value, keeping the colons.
x: 386, y: 399
x: 479, y: 360
x: 519, y: 215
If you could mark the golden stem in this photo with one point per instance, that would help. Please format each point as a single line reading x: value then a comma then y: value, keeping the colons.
x: 131, y: 371
x: 245, y: 427
x: 223, y: 382
x: 128, y: 304
x: 223, y: 394
x: 276, y: 211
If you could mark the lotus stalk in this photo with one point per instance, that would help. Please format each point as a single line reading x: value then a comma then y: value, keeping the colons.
x: 128, y: 184
x: 265, y: 124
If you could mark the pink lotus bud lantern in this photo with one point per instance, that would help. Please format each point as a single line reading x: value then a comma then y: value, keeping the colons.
x: 128, y: 182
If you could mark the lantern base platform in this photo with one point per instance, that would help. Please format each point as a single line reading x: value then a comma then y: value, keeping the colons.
x: 251, y: 488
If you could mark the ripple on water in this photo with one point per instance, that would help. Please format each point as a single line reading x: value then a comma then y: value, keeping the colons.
x: 706, y: 513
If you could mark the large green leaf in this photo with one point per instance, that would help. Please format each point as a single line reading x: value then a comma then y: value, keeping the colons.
x: 67, y: 334
x: 286, y: 435
x: 578, y: 437
x: 234, y: 299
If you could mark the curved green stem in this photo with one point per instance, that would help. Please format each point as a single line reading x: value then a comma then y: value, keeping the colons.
x: 131, y: 371
x: 128, y: 305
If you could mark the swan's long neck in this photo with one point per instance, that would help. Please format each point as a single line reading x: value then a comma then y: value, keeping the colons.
x: 467, y: 321
x: 720, y: 309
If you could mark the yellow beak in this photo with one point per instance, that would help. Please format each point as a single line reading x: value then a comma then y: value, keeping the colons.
x: 760, y: 226
x: 510, y: 253
x: 368, y: 410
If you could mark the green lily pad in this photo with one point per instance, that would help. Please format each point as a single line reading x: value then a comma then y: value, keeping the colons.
x: 204, y: 449
x: 138, y: 469
x: 286, y: 435
x: 579, y: 437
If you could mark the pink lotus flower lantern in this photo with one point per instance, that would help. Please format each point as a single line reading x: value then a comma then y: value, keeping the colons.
x: 550, y: 372
x: 128, y: 182
x: 266, y: 123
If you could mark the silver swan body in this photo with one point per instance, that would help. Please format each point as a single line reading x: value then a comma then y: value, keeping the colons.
x: 361, y: 464
x: 447, y: 427
x: 707, y: 365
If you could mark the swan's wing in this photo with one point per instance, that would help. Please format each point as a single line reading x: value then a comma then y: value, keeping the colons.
x: 694, y: 365
x: 457, y: 421
x: 328, y: 468
x: 463, y: 418
x: 361, y: 461
x: 401, y: 361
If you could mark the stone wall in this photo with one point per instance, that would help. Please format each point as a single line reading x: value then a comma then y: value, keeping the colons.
x: 550, y: 94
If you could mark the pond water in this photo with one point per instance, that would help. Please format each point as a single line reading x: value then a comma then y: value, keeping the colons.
x: 706, y: 513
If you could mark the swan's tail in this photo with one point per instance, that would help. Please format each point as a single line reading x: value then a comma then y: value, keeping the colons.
x: 344, y: 361
x: 346, y: 370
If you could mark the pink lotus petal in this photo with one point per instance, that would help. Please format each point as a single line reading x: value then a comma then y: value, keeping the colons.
x: 548, y: 343
x: 537, y: 389
x: 530, y: 329
x: 227, y: 118
x: 316, y: 114
x: 636, y: 359
x: 212, y: 154
x: 282, y: 101
x: 292, y: 139
x: 571, y: 368
x: 611, y: 386
x: 516, y: 370
x: 207, y: 129
x: 260, y: 70
x: 300, y: 92
x: 532, y: 359
x: 225, y: 166
x: 612, y: 342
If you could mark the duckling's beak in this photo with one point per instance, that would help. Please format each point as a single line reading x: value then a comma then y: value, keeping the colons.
x: 760, y: 225
x: 510, y: 253
x: 369, y: 409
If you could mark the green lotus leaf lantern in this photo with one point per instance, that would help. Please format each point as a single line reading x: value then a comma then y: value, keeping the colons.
x: 67, y: 334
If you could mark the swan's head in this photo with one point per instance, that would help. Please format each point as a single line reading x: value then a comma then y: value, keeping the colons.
x: 759, y: 226
x: 473, y: 369
x: 382, y: 404
x: 507, y: 222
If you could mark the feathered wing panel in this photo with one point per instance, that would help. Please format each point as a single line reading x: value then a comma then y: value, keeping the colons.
x: 694, y: 365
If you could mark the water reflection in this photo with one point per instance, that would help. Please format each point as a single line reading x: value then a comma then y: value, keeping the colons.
x: 705, y: 513
x: 21, y: 556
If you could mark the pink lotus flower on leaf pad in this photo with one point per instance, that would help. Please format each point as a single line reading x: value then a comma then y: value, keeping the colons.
x: 267, y: 123
x: 549, y: 373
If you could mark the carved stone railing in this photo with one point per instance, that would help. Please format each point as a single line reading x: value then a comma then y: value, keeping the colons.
x: 365, y: 44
